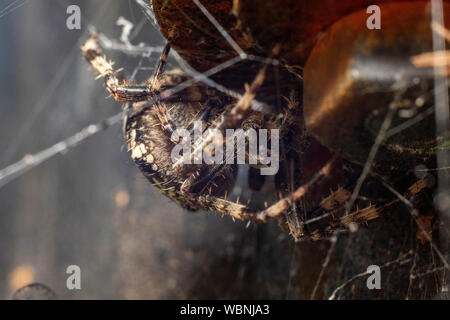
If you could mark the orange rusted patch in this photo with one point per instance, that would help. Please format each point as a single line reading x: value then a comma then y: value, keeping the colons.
x: 426, y: 222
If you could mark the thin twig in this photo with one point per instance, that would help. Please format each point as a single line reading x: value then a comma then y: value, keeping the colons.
x: 333, y: 241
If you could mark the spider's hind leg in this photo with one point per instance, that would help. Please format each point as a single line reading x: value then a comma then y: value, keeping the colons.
x: 243, y: 212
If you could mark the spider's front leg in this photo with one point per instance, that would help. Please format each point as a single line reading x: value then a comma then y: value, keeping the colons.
x: 120, y: 90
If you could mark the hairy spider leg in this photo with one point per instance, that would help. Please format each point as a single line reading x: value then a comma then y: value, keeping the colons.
x: 92, y: 52
x: 235, y: 117
x: 159, y: 70
x: 232, y: 119
x: 243, y: 212
x: 123, y: 92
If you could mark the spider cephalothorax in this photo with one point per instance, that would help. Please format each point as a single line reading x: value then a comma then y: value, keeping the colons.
x: 150, y: 144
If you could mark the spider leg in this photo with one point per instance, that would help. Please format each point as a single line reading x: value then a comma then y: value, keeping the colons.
x: 334, y: 216
x: 331, y: 206
x: 121, y: 91
x: 243, y: 212
x: 160, y: 66
x: 233, y: 118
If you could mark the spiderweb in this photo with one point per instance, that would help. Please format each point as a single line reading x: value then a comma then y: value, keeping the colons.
x: 91, y: 207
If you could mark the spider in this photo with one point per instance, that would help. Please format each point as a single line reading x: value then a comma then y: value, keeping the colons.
x: 172, y: 100
x: 149, y: 128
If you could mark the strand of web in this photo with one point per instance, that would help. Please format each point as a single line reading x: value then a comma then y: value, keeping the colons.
x: 9, y: 9
x: 43, y: 102
x: 442, y: 116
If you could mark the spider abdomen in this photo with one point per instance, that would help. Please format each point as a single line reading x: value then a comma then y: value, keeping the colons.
x: 150, y: 143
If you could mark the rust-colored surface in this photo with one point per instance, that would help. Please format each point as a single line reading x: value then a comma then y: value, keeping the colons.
x: 352, y: 75
x: 256, y: 26
x: 296, y: 24
x: 194, y: 37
